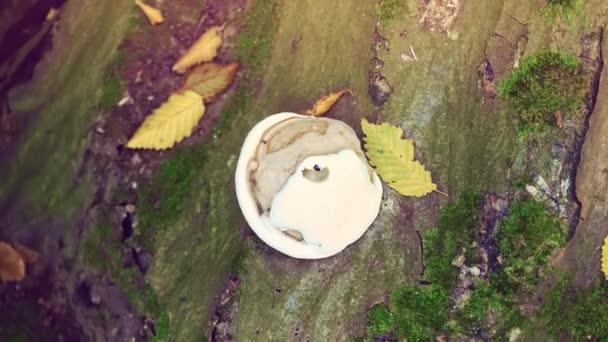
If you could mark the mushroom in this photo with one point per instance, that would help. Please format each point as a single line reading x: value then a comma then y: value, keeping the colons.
x: 304, y: 185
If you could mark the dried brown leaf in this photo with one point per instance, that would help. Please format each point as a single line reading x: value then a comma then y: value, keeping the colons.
x: 203, y: 50
x: 211, y: 79
x: 326, y: 102
x: 12, y: 267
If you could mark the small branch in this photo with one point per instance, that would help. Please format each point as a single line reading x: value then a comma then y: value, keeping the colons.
x: 442, y: 193
x: 413, y: 53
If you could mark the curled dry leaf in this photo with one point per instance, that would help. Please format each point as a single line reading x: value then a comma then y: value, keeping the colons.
x: 170, y: 123
x: 155, y: 16
x: 211, y: 79
x: 605, y: 258
x: 326, y: 102
x: 12, y: 267
x: 393, y: 158
x: 203, y: 50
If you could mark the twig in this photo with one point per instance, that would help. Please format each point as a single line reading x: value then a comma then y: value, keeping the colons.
x: 413, y: 53
x: 442, y: 193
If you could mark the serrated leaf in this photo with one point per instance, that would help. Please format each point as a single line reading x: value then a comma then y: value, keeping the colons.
x: 605, y: 258
x: 170, y: 123
x: 12, y: 266
x: 326, y: 102
x: 211, y: 79
x: 203, y: 50
x: 155, y: 16
x: 393, y: 158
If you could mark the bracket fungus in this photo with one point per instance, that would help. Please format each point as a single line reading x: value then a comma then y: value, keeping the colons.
x: 304, y: 185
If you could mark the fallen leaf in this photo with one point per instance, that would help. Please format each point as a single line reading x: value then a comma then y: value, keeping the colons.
x: 326, y: 102
x: 12, y: 267
x: 605, y: 258
x: 170, y: 123
x: 155, y: 16
x: 203, y: 50
x: 211, y: 79
x: 28, y: 255
x: 393, y: 158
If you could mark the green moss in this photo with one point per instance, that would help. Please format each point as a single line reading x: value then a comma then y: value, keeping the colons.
x: 561, y: 2
x: 552, y: 305
x: 582, y: 315
x: 380, y: 320
x: 527, y: 237
x: 111, y: 92
x: 162, y: 199
x: 520, y: 182
x: 442, y: 244
x: 570, y: 9
x: 253, y: 46
x: 387, y: 10
x: 486, y: 301
x: 545, y: 83
x: 104, y: 252
x: 420, y: 311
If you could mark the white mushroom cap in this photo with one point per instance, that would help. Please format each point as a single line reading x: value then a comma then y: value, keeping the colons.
x: 329, y: 200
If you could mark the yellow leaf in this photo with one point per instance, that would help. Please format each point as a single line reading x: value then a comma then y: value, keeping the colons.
x: 326, y: 102
x: 605, y: 258
x: 393, y: 158
x: 170, y: 123
x: 155, y: 16
x: 203, y: 50
x: 211, y: 79
x: 12, y: 267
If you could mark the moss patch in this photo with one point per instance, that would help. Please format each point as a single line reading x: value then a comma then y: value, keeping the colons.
x: 545, y: 83
x: 388, y: 10
x: 485, y: 302
x: 582, y: 315
x: 103, y: 253
x: 420, y: 312
x: 254, y: 44
x: 380, y: 320
x: 527, y: 237
x: 570, y: 9
x: 453, y: 232
x: 111, y: 92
